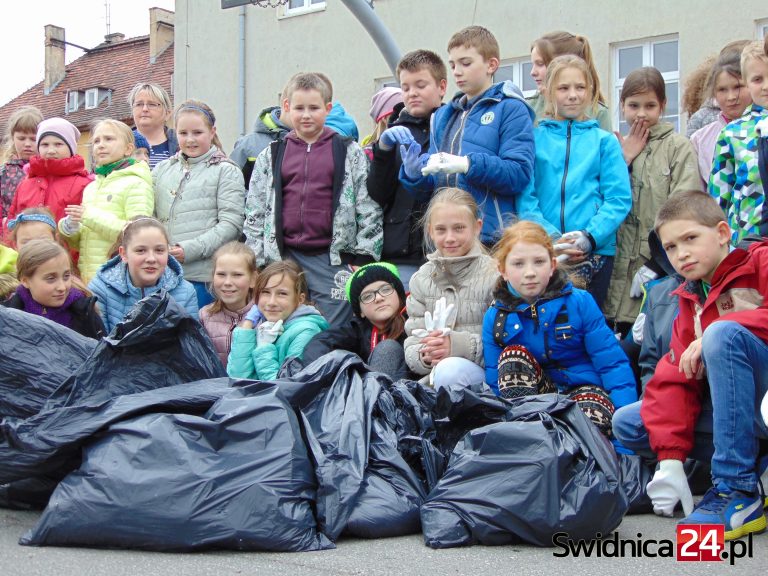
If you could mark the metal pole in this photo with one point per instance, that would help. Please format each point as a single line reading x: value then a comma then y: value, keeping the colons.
x: 377, y: 30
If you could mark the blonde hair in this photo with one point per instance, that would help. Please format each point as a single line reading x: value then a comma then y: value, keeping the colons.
x: 123, y: 131
x: 559, y: 43
x: 522, y: 231
x: 158, y: 93
x: 477, y: 37
x: 283, y: 268
x: 309, y: 81
x: 752, y: 51
x: 25, y: 119
x: 455, y: 197
x: 559, y: 64
x: 201, y: 109
x: 235, y: 248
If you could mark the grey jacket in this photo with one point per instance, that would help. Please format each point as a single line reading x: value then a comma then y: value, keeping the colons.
x: 201, y: 202
x: 249, y: 146
x: 465, y: 281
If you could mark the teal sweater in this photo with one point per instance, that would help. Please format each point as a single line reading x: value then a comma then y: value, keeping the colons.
x: 247, y: 360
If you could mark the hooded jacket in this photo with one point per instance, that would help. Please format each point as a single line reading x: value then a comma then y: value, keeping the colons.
x: 220, y: 326
x: 117, y: 295
x: 247, y: 360
x: 496, y: 134
x: 54, y: 183
x: 109, y: 202
x: 201, y: 203
x: 672, y: 403
x: 581, y: 181
x: 665, y: 166
x: 465, y: 281
x: 539, y: 104
x: 403, y: 233
x: 566, y: 333
x: 267, y: 128
x: 85, y: 318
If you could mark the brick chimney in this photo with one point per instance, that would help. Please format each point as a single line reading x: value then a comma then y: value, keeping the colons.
x: 160, y: 32
x: 54, y: 57
x: 114, y: 37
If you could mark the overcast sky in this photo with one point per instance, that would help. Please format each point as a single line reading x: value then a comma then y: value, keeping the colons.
x: 22, y: 34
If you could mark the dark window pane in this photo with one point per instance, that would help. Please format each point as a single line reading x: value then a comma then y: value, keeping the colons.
x: 630, y: 59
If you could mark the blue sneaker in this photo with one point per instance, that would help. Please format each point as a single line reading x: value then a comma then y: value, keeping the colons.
x: 741, y: 513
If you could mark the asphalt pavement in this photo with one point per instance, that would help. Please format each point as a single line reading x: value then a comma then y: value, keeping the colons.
x: 402, y: 556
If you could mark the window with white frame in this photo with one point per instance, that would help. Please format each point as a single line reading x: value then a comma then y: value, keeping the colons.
x: 519, y: 71
x: 386, y: 82
x: 73, y: 101
x: 762, y: 28
x: 663, y: 54
x: 91, y: 98
x: 297, y: 7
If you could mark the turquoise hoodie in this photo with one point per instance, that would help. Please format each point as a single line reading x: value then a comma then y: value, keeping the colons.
x: 580, y: 180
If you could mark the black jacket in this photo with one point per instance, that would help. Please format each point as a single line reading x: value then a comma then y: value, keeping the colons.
x: 403, y: 233
x: 85, y: 319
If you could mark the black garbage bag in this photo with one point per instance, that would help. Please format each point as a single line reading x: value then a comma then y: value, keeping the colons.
x: 545, y: 470
x: 355, y: 429
x: 237, y: 477
x: 635, y: 475
x: 36, y: 356
x: 158, y: 344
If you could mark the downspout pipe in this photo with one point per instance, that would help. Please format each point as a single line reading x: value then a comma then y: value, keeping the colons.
x: 241, y: 74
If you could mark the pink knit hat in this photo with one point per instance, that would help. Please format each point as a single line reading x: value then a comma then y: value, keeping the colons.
x: 384, y: 102
x: 61, y: 129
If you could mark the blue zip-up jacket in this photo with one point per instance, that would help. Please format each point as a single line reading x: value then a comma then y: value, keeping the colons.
x: 496, y: 133
x: 581, y: 181
x: 116, y: 293
x: 567, y: 334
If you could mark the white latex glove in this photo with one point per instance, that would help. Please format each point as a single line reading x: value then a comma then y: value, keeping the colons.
x: 446, y: 163
x: 576, y: 239
x: 643, y: 275
x: 764, y: 409
x: 437, y: 320
x: 668, y: 487
x: 268, y: 332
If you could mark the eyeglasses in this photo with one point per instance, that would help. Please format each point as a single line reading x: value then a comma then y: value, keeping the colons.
x: 150, y: 105
x: 384, y: 291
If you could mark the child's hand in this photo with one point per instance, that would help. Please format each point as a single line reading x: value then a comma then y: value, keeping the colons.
x: 434, y: 348
x: 413, y: 160
x: 75, y: 213
x: 395, y: 135
x: 690, y: 361
x: 634, y: 142
x: 177, y: 252
x: 252, y: 318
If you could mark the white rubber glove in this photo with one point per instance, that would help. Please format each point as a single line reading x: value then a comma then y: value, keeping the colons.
x: 668, y: 487
x: 437, y: 320
x: 446, y: 164
x: 764, y: 409
x: 576, y: 239
x: 643, y: 275
x: 268, y: 332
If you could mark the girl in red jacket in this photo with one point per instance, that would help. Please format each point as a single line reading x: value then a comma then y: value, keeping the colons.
x: 57, y: 174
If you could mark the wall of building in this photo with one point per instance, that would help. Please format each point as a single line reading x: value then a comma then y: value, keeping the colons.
x: 332, y: 41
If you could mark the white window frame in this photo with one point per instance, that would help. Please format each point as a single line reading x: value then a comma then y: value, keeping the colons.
x: 91, y: 98
x: 307, y: 8
x: 647, y: 45
x: 519, y: 68
x: 761, y: 28
x: 386, y: 81
x: 73, y: 101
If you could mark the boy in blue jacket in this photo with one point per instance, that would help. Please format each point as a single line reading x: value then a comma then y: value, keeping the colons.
x: 482, y: 141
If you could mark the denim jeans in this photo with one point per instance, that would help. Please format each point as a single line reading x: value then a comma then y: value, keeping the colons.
x: 204, y: 296
x: 737, y: 370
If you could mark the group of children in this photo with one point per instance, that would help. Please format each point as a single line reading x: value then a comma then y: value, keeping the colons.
x: 333, y: 255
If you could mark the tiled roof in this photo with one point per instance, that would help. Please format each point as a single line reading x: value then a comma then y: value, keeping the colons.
x: 118, y: 67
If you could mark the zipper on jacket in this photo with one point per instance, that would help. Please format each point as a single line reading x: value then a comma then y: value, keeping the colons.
x: 304, y: 186
x: 176, y: 195
x: 460, y: 132
x: 565, y: 175
x: 535, y: 317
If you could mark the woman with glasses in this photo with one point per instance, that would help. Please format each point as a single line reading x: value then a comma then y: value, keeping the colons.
x: 377, y: 330
x: 152, y: 107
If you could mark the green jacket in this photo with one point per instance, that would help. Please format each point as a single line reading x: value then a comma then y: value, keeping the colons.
x: 666, y: 165
x: 201, y: 201
x: 247, y: 360
x: 109, y: 202
x: 539, y: 103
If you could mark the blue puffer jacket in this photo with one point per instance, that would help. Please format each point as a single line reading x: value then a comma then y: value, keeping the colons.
x: 496, y: 133
x: 117, y: 295
x: 581, y: 181
x: 567, y: 335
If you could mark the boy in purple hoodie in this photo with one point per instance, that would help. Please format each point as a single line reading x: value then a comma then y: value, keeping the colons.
x: 308, y: 201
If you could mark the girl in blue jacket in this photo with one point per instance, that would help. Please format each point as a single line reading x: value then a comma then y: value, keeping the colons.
x: 142, y: 267
x: 581, y: 182
x: 543, y: 335
x: 278, y: 328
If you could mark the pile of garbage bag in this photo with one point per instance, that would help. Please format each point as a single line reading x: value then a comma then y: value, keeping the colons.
x: 141, y: 441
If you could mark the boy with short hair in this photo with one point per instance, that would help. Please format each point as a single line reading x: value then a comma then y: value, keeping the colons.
x: 423, y: 80
x: 736, y: 180
x: 308, y: 201
x: 721, y: 329
x: 482, y: 142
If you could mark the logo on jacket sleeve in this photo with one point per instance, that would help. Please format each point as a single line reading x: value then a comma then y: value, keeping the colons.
x: 487, y: 118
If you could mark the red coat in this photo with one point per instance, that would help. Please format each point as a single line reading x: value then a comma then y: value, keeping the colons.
x: 51, y: 183
x: 672, y: 402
